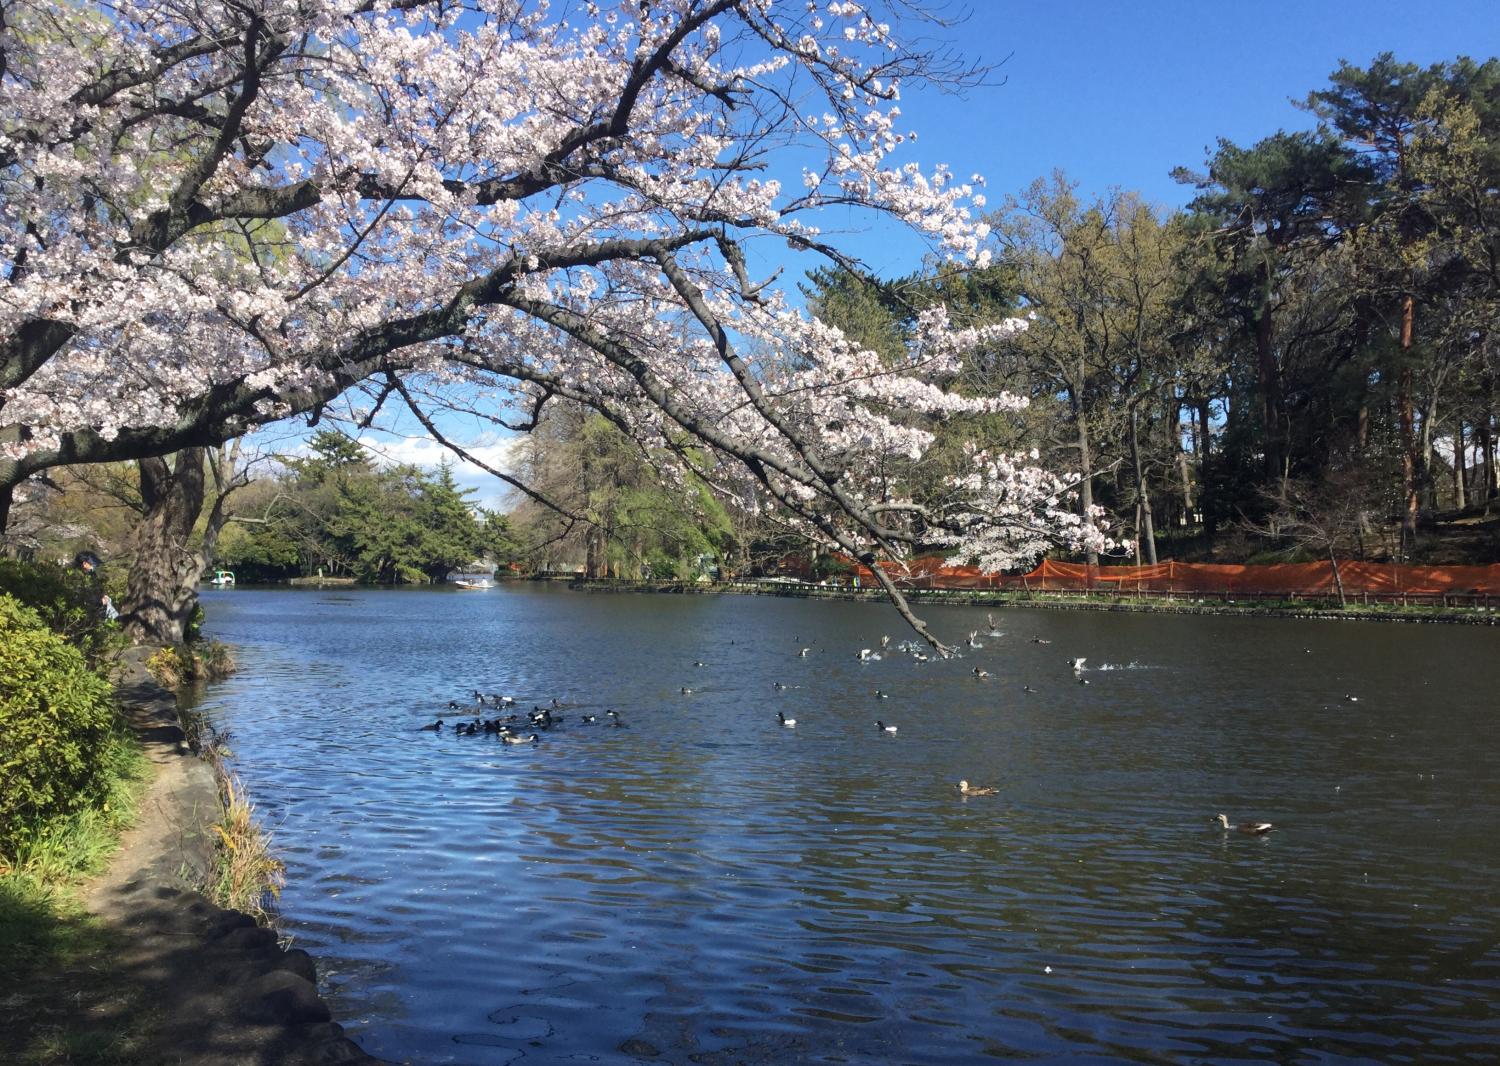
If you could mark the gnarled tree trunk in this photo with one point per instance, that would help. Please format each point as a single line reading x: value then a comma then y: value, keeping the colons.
x: 162, y: 589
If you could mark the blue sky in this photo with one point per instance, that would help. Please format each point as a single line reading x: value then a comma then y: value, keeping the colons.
x: 1118, y: 94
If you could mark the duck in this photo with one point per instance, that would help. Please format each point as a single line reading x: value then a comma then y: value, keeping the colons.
x: 790, y: 723
x: 479, y: 697
x: 589, y: 719
x: 1027, y: 688
x: 883, y: 727
x: 511, y: 738
x: 1078, y: 665
x: 453, y: 705
x: 1350, y: 699
x: 803, y: 653
x: 1039, y: 640
x: 885, y: 642
x: 506, y: 701
x: 967, y: 789
x: 1253, y: 828
x: 981, y: 673
x: 614, y: 719
x: 865, y: 655
x: 882, y: 695
x: 434, y: 727
x: 686, y: 691
x: 1083, y: 681
x: 699, y: 662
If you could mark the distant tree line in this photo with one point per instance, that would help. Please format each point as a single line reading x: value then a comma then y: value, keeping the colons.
x: 337, y: 513
x: 1316, y: 337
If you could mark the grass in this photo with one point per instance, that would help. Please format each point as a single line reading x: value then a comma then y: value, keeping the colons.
x: 179, y: 665
x: 56, y: 956
x: 246, y: 875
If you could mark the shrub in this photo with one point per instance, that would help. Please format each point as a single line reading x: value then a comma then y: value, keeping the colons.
x: 56, y: 719
x: 66, y: 600
x: 183, y: 664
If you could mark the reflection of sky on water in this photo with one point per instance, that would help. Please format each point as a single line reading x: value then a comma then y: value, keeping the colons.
x: 710, y: 885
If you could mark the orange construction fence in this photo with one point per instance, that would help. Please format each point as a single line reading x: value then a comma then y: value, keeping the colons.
x: 1286, y: 579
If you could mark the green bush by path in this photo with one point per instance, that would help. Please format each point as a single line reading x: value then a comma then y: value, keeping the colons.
x: 57, y: 726
x: 66, y: 601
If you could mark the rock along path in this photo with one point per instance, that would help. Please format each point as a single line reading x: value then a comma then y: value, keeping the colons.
x: 221, y: 990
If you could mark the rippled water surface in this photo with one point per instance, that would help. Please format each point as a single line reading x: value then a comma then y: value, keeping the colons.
x: 710, y: 886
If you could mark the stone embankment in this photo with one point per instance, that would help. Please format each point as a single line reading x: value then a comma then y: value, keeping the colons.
x: 225, y: 990
x: 1057, y: 601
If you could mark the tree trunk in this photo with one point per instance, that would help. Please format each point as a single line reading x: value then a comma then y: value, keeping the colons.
x: 1426, y: 479
x: 1185, y: 470
x: 1338, y: 581
x: 1085, y: 463
x: 1487, y: 450
x: 162, y: 588
x: 1210, y: 520
x: 1459, y: 488
x: 7, y: 494
x: 1145, y: 529
x: 1407, y: 416
x: 1269, y: 380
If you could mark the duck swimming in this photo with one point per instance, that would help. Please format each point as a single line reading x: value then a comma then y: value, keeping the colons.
x: 589, y: 719
x: 1039, y: 640
x: 976, y: 790
x: 511, y: 738
x: 1253, y: 828
x: 981, y: 673
x: 434, y: 727
x: 883, y: 727
x: 790, y: 723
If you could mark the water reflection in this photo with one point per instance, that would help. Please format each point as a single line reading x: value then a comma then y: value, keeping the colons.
x: 711, y: 886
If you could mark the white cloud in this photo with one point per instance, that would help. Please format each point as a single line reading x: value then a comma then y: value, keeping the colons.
x: 426, y: 453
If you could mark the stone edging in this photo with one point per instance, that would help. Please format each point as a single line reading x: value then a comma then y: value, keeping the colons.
x: 984, y: 598
x: 228, y: 991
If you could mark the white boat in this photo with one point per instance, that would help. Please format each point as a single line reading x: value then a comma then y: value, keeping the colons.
x: 222, y: 579
x: 473, y: 583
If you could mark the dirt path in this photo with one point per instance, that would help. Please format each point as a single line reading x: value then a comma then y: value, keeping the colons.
x: 173, y: 978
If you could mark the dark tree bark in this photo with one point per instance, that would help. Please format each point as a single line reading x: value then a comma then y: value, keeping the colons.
x: 1210, y: 520
x: 1406, y: 413
x: 1459, y: 493
x: 162, y: 589
x: 1268, y: 378
x: 1145, y: 530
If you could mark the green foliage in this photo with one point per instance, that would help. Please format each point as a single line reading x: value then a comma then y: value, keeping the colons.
x: 65, y: 600
x: 335, y: 512
x: 56, y: 720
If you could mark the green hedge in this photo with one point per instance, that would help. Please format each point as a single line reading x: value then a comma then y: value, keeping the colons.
x: 56, y: 720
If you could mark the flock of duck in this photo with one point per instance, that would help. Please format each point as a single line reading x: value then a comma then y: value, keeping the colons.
x: 508, y: 728
x: 517, y: 727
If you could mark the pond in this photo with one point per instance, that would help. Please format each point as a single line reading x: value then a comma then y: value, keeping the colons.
x: 705, y: 885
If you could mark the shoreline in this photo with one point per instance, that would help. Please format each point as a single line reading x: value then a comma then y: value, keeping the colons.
x: 224, y: 988
x: 1068, y: 601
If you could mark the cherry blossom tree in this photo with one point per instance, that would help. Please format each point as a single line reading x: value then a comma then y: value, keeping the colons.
x: 224, y: 213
